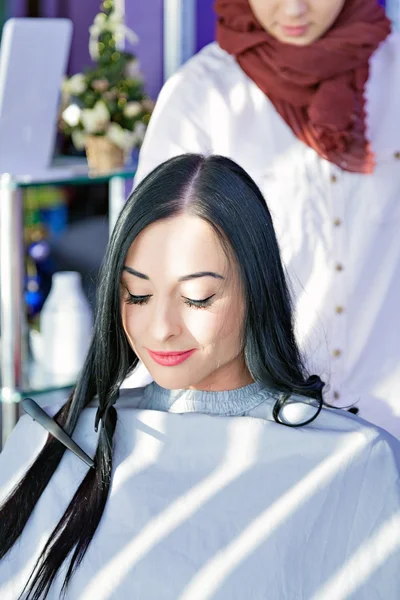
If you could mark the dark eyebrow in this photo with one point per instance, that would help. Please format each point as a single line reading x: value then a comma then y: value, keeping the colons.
x: 201, y: 274
x: 136, y: 273
x: 184, y: 278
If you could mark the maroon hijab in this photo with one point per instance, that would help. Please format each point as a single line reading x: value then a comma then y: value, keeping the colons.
x: 317, y: 89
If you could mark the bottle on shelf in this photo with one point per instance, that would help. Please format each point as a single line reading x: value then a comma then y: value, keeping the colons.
x: 66, y: 323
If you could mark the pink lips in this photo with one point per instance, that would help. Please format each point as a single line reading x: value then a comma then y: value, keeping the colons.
x: 170, y: 359
x: 297, y: 31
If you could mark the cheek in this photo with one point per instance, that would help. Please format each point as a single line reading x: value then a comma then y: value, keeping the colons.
x: 232, y: 328
x: 212, y: 328
x: 134, y: 321
x: 203, y: 325
x: 263, y: 11
x: 329, y: 12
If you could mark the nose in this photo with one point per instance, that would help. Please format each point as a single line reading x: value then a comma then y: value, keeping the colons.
x: 165, y: 323
x: 295, y: 8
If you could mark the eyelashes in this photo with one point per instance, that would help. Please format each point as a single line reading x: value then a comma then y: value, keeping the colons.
x: 137, y: 299
x: 140, y: 300
x: 199, y: 303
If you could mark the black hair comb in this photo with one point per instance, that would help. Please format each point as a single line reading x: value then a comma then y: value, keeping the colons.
x: 37, y: 413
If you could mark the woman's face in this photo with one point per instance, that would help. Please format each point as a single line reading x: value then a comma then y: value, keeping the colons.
x: 297, y: 22
x: 182, y: 308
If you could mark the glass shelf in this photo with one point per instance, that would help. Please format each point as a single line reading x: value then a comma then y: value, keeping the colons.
x: 64, y: 170
x: 36, y: 380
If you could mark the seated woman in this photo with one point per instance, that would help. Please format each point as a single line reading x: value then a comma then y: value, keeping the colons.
x: 304, y: 95
x: 226, y: 478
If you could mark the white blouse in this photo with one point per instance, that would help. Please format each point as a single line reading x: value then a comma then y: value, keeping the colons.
x: 339, y: 232
x: 206, y: 504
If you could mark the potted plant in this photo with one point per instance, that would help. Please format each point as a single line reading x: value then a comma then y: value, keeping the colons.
x: 105, y: 109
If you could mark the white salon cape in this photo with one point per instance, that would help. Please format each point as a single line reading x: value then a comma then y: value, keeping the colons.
x: 227, y: 505
x: 339, y: 232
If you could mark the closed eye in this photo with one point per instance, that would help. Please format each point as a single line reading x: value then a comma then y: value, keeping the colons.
x: 198, y: 303
x: 137, y: 299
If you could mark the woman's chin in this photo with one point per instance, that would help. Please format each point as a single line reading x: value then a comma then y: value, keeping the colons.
x: 170, y: 379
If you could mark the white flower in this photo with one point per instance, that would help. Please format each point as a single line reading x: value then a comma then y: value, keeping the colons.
x: 100, y: 19
x: 139, y: 131
x: 122, y: 138
x: 114, y: 23
x: 78, y: 139
x: 96, y: 119
x: 76, y: 84
x: 115, y: 19
x: 133, y: 109
x: 71, y: 115
x: 132, y: 69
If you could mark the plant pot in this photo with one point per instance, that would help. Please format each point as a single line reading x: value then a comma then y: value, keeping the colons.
x: 103, y: 155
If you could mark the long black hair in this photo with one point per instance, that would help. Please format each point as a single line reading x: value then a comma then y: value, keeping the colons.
x: 219, y: 191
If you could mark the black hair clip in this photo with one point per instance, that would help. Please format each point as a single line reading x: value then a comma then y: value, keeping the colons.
x: 38, y: 414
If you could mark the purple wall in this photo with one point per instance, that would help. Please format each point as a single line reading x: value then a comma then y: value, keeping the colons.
x: 82, y: 13
x: 205, y: 22
x: 17, y: 8
x: 145, y: 17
